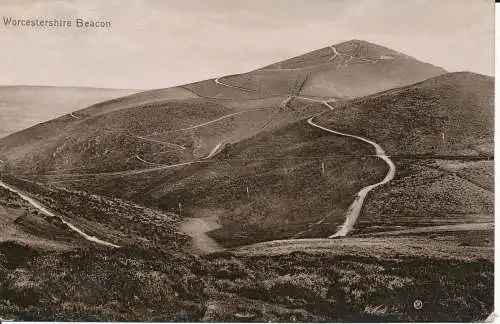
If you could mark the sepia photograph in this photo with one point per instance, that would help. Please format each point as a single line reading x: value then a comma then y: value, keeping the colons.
x: 247, y: 161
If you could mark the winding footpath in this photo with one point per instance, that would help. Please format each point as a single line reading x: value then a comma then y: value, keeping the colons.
x: 355, y: 208
x: 45, y: 211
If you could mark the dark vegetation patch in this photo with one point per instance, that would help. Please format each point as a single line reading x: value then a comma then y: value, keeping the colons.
x: 151, y: 284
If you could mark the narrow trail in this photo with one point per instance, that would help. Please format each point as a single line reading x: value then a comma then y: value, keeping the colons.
x: 217, y: 119
x: 309, y: 228
x: 217, y: 81
x: 328, y: 105
x: 45, y: 211
x: 214, y: 151
x: 345, y: 60
x: 335, y: 54
x: 456, y: 174
x: 136, y: 171
x: 117, y: 173
x: 284, y: 104
x: 355, y: 208
x: 325, y: 102
x: 144, y: 161
x: 438, y: 228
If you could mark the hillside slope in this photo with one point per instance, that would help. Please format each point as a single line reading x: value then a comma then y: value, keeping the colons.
x: 447, y: 115
x: 346, y: 70
x: 299, y: 181
x: 100, y: 219
x: 439, y: 132
x: 273, y: 185
x: 25, y: 106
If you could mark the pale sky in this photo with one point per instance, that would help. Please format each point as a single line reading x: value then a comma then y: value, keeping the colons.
x: 161, y: 43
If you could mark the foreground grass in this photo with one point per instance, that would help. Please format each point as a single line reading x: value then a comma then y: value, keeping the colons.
x: 134, y: 283
x: 151, y: 279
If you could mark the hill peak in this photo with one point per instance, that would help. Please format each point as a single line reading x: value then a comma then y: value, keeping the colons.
x: 362, y: 48
x: 357, y: 42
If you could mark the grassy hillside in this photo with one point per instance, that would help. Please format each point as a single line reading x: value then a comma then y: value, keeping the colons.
x: 274, y: 185
x: 169, y: 132
x: 25, y: 106
x: 355, y: 47
x: 351, y: 279
x: 447, y: 115
x: 350, y: 69
x: 107, y: 142
x: 22, y: 223
x: 150, y: 279
x: 157, y: 96
x: 282, y: 181
x: 422, y: 194
x: 440, y: 134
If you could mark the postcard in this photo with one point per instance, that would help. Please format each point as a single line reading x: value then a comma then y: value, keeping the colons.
x: 247, y: 161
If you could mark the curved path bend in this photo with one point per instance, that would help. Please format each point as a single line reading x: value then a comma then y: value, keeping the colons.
x: 355, y: 208
x: 75, y: 116
x: 144, y: 161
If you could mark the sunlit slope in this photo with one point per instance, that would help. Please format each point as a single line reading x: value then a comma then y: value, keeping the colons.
x: 170, y: 132
x: 345, y: 70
